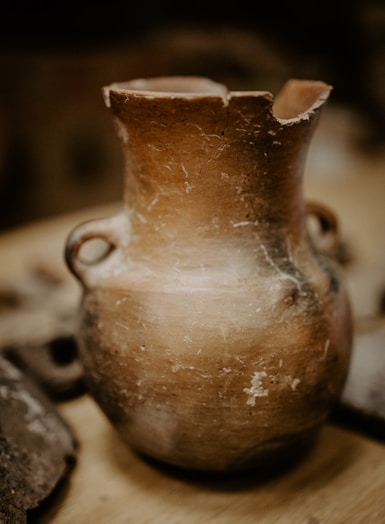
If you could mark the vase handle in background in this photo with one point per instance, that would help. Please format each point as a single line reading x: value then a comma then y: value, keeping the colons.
x: 326, y: 238
x: 99, y: 229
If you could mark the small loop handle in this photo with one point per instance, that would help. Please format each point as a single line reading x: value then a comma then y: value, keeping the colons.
x: 91, y: 229
x: 327, y: 241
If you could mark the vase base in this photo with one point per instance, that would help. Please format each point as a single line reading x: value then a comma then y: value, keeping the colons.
x: 267, y: 460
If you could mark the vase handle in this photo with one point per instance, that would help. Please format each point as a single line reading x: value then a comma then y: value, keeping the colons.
x: 327, y: 237
x: 102, y: 229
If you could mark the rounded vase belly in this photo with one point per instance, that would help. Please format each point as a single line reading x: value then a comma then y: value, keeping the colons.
x: 213, y: 379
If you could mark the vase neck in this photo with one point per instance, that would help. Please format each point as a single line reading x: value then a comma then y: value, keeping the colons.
x: 210, y: 193
x: 214, y: 161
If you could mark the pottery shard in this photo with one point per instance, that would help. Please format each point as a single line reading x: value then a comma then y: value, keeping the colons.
x: 37, y: 316
x: 364, y: 391
x: 37, y: 448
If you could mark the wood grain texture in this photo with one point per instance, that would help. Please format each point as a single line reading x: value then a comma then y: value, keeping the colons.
x: 341, y: 480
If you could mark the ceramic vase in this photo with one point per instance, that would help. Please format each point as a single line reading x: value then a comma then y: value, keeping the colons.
x: 215, y: 332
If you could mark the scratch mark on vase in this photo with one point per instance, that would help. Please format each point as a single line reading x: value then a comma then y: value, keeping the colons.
x: 284, y: 275
x: 325, y: 349
x: 293, y: 382
x: 188, y: 187
x: 241, y: 224
x: 184, y: 170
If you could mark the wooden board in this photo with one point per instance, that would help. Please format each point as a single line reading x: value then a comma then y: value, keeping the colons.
x: 341, y: 480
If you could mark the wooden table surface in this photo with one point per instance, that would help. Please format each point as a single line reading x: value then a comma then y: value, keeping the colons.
x: 341, y: 480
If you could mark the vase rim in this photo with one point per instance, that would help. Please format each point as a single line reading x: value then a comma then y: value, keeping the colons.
x: 166, y: 86
x: 297, y: 100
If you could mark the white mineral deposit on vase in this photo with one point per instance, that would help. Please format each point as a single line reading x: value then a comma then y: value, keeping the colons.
x: 256, y: 389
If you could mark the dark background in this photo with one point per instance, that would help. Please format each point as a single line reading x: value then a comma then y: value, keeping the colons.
x: 58, y: 150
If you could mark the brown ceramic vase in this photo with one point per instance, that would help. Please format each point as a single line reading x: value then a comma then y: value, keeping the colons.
x: 216, y: 332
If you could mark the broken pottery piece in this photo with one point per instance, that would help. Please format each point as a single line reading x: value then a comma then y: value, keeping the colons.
x: 37, y: 316
x: 215, y: 331
x: 37, y: 448
x: 364, y: 391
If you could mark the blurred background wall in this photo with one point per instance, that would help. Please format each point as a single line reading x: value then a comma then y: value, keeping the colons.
x: 58, y: 150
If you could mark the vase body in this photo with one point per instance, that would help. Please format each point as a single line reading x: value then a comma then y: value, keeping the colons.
x: 215, y: 334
